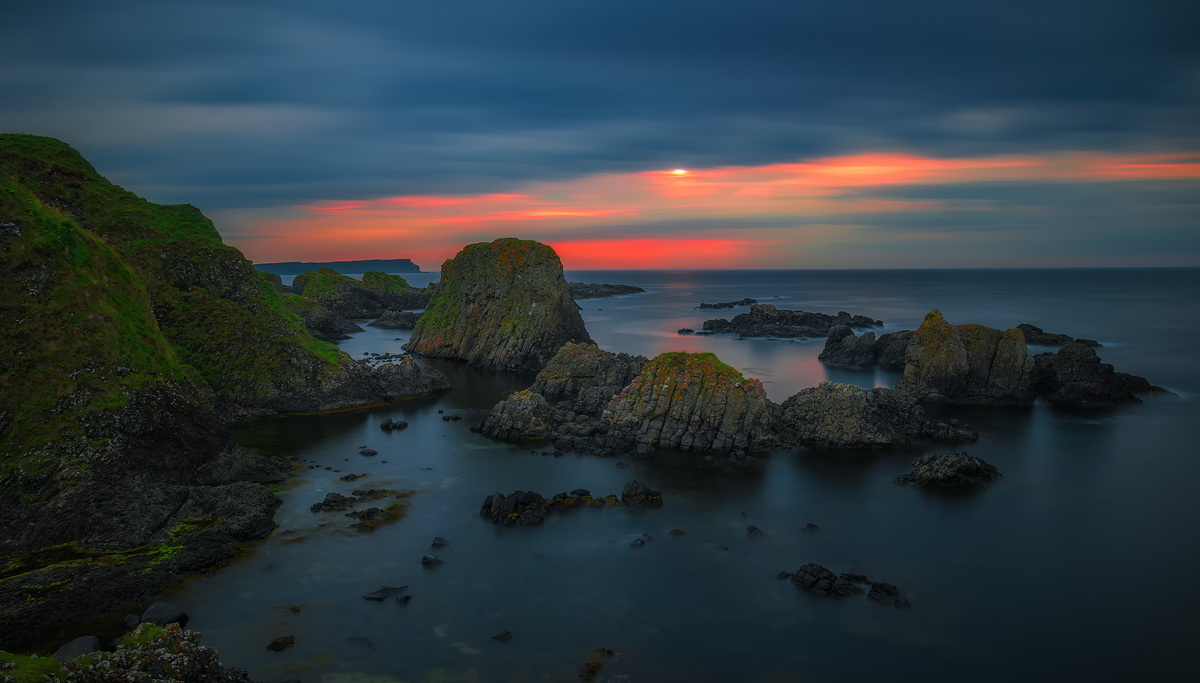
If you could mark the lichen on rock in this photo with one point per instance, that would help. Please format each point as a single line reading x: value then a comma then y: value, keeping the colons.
x: 523, y: 416
x: 583, y: 378
x: 502, y: 305
x: 968, y: 364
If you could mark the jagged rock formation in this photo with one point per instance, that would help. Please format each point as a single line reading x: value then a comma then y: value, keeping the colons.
x: 764, y: 320
x: 727, y: 304
x: 581, y: 378
x: 967, y: 364
x: 1074, y: 376
x: 1037, y: 337
x: 526, y: 508
x: 523, y: 416
x: 318, y: 320
x: 502, y: 305
x: 845, y: 416
x: 844, y: 349
x: 692, y: 402
x: 949, y: 469
x: 396, y: 320
x: 591, y: 290
x: 130, y: 338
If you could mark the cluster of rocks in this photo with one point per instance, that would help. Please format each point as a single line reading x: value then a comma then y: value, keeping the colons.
x: 390, y: 425
x: 591, y: 290
x: 764, y: 320
x: 524, y: 508
x: 336, y: 502
x: 949, y: 470
x: 396, y: 320
x: 1074, y: 376
x: 727, y: 304
x: 349, y: 298
x: 844, y: 349
x: 816, y: 579
x: 157, y: 614
x: 502, y: 305
x: 834, y: 415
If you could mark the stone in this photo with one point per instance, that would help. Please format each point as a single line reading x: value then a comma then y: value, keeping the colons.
x: 811, y: 527
x: 334, y: 502
x: 281, y: 643
x: 581, y: 378
x: 432, y: 561
x: 727, y: 304
x: 519, y: 508
x: 396, y: 320
x: 968, y: 364
x: 581, y: 492
x: 10, y: 230
x: 637, y: 494
x: 784, y: 575
x: 949, y: 470
x: 764, y: 320
x: 686, y: 330
x: 523, y: 416
x: 753, y: 531
x: 1074, y: 376
x: 163, y: 613
x: 503, y: 305
x: 383, y: 592
x: 83, y: 645
x: 813, y: 577
x: 1037, y: 337
x: 638, y: 542
x: 438, y: 542
x: 853, y: 578
x: 588, y: 671
x: 844, y: 349
x: 131, y: 621
x: 503, y: 636
x: 368, y: 451
x: 582, y: 290
x: 390, y: 425
x: 403, y: 599
x: 677, y: 532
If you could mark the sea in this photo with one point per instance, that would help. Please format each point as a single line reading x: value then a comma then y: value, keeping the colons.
x: 1076, y: 565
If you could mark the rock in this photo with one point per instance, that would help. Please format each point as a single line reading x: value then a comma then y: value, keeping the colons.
x: 83, y: 645
x: 753, y: 531
x: 685, y: 330
x: 519, y: 508
x: 588, y: 671
x: 844, y: 349
x: 637, y: 494
x: 131, y: 621
x: 163, y: 613
x: 901, y: 603
x: 368, y: 451
x: 438, y: 542
x: 815, y: 578
x: 389, y: 425
x: 727, y: 304
x: 383, y: 593
x: 396, y: 320
x: 1037, y: 337
x: 503, y: 636
x: 883, y: 593
x: 811, y: 527
x: 764, y: 320
x: 523, y: 416
x: 949, y: 469
x: 281, y: 643
x: 638, y: 542
x: 968, y: 364
x: 334, y: 502
x: 432, y: 561
x: 580, y: 290
x: 320, y: 322
x: 581, y: 492
x: 836, y: 415
x: 403, y: 599
x: 1074, y: 376
x: 10, y: 230
x: 784, y: 575
x: 581, y: 378
x: 842, y: 588
x: 853, y: 578
x: 677, y: 532
x: 350, y: 298
x: 502, y: 305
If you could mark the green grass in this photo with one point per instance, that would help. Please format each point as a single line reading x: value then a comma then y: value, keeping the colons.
x: 29, y: 669
x: 706, y: 362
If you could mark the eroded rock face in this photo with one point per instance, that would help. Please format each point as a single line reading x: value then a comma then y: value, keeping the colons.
x: 949, y: 469
x: 396, y: 320
x: 581, y: 378
x: 320, y: 322
x: 1074, y: 376
x: 836, y: 415
x: 523, y: 416
x: 764, y: 320
x: 968, y: 364
x: 693, y: 402
x: 1036, y: 336
x: 502, y: 305
x: 844, y: 349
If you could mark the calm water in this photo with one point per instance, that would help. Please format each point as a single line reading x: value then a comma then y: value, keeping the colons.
x: 1076, y: 565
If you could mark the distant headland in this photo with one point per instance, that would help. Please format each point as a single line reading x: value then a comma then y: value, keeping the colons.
x: 396, y: 265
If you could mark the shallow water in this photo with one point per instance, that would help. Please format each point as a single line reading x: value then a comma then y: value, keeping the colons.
x: 1074, y: 565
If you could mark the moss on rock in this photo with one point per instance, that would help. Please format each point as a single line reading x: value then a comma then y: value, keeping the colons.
x: 967, y: 363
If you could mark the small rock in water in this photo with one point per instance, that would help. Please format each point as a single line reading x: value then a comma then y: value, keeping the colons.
x: 384, y: 591
x: 948, y: 470
x: 884, y: 593
x: 856, y: 578
x: 403, y: 599
x: 368, y: 451
x: 677, y: 532
x: 753, y: 531
x: 638, y: 542
x: 432, y: 561
x: 811, y: 527
x: 784, y: 575
x: 503, y: 636
x: 622, y: 465
x: 588, y: 671
x: 281, y: 643
x: 686, y: 330
x: 438, y: 542
x: 163, y: 613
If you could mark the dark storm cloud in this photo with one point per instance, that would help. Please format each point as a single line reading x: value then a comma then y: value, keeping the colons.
x: 248, y: 104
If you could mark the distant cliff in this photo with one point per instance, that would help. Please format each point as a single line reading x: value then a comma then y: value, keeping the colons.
x: 396, y: 265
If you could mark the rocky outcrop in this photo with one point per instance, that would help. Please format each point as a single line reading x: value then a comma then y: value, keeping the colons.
x: 692, y: 402
x: 319, y: 321
x: 1074, y: 376
x: 526, y: 508
x: 502, y: 305
x: 581, y: 378
x: 523, y: 416
x: 844, y: 349
x: 1035, y: 336
x: 637, y: 494
x: 727, y: 304
x: 396, y: 320
x: 591, y: 290
x: 764, y: 320
x: 968, y: 364
x: 350, y: 298
x: 845, y: 416
x: 949, y: 470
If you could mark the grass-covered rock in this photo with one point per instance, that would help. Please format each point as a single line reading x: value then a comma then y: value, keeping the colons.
x: 349, y: 298
x: 502, y: 305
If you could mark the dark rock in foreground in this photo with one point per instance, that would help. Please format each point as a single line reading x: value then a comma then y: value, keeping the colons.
x: 949, y: 469
x: 583, y: 290
x: 817, y: 579
x: 525, y: 508
x: 396, y: 320
x: 836, y: 415
x: 764, y: 320
x: 83, y: 645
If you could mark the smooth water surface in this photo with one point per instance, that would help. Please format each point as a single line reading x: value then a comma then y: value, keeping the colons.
x: 1075, y: 565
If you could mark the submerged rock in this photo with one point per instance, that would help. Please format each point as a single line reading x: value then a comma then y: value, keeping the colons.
x: 836, y: 415
x: 502, y: 305
x: 968, y: 364
x: 281, y: 643
x: 523, y: 416
x: 949, y: 469
x: 727, y: 304
x: 764, y: 320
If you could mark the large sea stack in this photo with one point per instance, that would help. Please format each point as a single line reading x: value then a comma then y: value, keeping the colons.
x: 130, y: 339
x: 502, y: 305
x: 967, y: 364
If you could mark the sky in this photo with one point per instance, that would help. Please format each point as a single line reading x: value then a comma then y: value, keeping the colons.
x: 648, y: 134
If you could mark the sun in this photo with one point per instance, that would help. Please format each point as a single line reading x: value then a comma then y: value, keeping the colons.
x: 679, y: 171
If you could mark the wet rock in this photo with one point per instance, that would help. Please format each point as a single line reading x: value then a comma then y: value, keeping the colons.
x: 131, y: 621
x: 389, y: 425
x: 727, y: 304
x: 1038, y: 337
x: 834, y: 415
x: 764, y: 320
x: 844, y: 349
x: 438, y: 542
x: 622, y: 465
x: 815, y: 578
x: 582, y: 290
x: 637, y: 494
x: 883, y: 593
x: 583, y: 379
x: 503, y: 636
x: 686, y: 330
x: 581, y: 492
x: 163, y: 613
x: 83, y: 645
x: 403, y: 599
x: 784, y: 575
x: 519, y: 508
x: 968, y: 364
x: 503, y: 305
x: 638, y: 542
x: 368, y: 451
x: 949, y: 469
x: 334, y: 502
x: 523, y: 416
x: 1074, y: 376
x: 842, y: 587
x: 432, y: 561
x: 383, y: 592
x: 281, y: 643
x: 811, y: 527
x: 396, y: 320
x: 753, y: 531
x: 853, y: 578
x: 677, y: 532
x: 588, y: 671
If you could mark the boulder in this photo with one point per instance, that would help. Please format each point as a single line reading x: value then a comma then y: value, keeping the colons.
x: 949, y: 469
x: 968, y: 364
x: 523, y: 416
x: 163, y: 613
x: 396, y: 320
x: 637, y: 494
x: 1074, y: 376
x: 836, y: 415
x: 502, y: 305
x: 813, y: 577
x: 83, y: 645
x: 582, y: 378
x: 764, y: 320
x: 519, y: 508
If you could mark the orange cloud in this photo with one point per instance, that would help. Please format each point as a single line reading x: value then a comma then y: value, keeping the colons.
x: 433, y: 228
